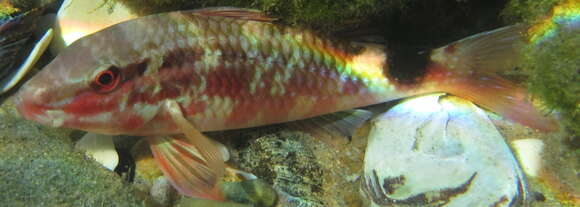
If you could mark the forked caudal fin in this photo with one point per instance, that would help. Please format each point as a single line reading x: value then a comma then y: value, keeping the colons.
x: 469, y: 68
x: 494, y: 93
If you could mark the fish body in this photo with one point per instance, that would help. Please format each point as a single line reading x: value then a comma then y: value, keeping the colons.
x: 225, y: 73
x: 180, y: 73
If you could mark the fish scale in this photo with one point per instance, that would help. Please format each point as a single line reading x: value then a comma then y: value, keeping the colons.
x: 229, y: 68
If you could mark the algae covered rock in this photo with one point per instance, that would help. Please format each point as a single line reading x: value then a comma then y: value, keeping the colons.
x: 555, y: 75
x: 303, y: 169
x: 552, y: 57
x: 319, y: 14
x: 7, y: 9
x: 288, y: 164
x: 555, y: 182
x: 527, y: 10
x: 39, y: 167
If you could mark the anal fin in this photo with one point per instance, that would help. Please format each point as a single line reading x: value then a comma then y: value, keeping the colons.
x: 194, y: 165
x: 339, y: 124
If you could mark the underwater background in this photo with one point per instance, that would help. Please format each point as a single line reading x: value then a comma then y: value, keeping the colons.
x: 39, y: 165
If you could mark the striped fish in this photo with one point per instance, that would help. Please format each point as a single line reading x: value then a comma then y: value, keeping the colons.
x: 184, y: 72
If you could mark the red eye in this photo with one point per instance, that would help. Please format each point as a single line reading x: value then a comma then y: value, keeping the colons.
x: 106, y: 80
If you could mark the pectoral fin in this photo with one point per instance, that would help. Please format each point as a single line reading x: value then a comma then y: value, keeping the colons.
x: 194, y: 165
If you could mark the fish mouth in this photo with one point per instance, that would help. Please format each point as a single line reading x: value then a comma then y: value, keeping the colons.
x: 40, y: 113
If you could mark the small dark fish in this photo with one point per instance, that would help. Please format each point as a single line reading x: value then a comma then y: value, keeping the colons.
x: 20, y: 48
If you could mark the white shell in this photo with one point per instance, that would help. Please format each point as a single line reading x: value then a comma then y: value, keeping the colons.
x: 223, y: 149
x: 529, y: 153
x: 439, y: 150
x: 101, y: 148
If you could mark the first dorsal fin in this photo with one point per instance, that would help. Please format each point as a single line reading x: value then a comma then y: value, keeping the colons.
x: 233, y: 12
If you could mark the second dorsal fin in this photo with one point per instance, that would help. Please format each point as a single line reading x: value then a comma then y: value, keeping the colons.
x: 233, y: 12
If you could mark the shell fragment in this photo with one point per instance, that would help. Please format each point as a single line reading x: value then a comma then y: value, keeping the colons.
x: 101, y: 148
x: 529, y: 153
x: 77, y: 18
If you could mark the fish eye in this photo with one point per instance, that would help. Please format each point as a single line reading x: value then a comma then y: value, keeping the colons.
x: 106, y: 80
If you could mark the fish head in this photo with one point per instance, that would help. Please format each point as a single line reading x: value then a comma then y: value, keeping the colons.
x: 93, y: 85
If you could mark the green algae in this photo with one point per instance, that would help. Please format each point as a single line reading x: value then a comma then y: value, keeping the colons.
x: 39, y: 167
x: 26, y: 5
x: 6, y: 10
x: 555, y: 75
x: 191, y: 202
x: 255, y: 192
x: 322, y: 15
x: 319, y: 14
x: 527, y: 11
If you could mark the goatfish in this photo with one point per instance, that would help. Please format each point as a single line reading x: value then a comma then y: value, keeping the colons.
x: 173, y: 75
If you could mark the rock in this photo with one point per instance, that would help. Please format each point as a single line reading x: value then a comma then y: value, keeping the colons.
x: 556, y: 183
x: 99, y: 147
x: 150, y: 180
x: 304, y: 170
x: 39, y: 167
x: 146, y: 169
x: 255, y: 192
x: 192, y: 202
x: 162, y: 192
x: 288, y: 164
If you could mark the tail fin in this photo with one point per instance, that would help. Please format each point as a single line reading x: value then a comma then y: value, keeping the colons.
x: 468, y: 68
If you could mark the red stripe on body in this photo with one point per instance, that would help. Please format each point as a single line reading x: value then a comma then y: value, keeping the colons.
x: 173, y: 83
x: 227, y: 82
x: 245, y: 110
x: 249, y: 105
x: 277, y: 109
x: 194, y: 108
x: 131, y: 122
x: 90, y: 103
